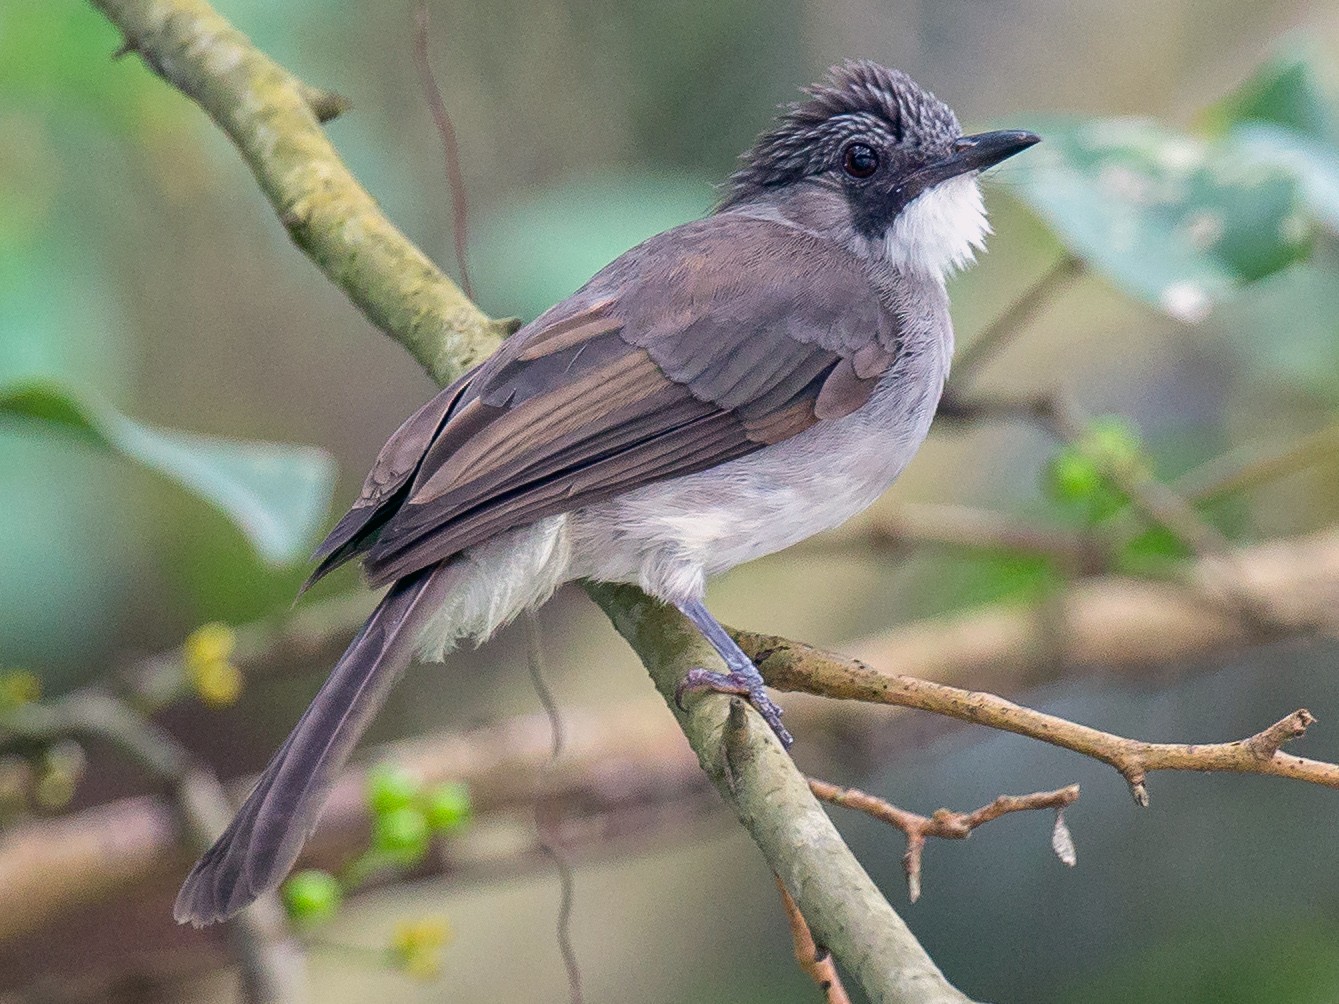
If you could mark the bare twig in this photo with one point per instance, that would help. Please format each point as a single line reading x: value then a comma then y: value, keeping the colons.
x: 1151, y: 498
x: 949, y: 825
x: 311, y: 634
x: 450, y: 148
x: 1015, y: 318
x: 1156, y: 501
x: 272, y: 966
x: 1229, y: 473
x: 815, y: 960
x: 789, y: 665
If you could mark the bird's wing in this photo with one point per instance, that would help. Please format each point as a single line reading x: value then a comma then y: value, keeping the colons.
x: 700, y: 346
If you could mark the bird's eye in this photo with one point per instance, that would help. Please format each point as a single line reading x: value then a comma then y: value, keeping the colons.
x: 859, y: 160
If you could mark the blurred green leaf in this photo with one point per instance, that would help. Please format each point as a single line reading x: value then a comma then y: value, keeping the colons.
x: 1081, y: 473
x: 1282, y: 959
x: 276, y: 493
x: 1173, y: 220
x: 533, y: 252
x: 1293, y: 89
x: 56, y: 58
x: 1313, y: 162
x: 1153, y: 552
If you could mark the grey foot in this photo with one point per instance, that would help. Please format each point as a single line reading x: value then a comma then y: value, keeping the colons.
x: 741, y: 684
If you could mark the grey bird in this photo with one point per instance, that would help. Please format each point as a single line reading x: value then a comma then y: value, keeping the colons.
x: 720, y: 392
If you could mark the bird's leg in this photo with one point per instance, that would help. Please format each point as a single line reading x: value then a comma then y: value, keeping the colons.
x: 743, y: 677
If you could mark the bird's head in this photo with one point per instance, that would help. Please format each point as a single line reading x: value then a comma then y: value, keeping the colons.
x: 894, y: 157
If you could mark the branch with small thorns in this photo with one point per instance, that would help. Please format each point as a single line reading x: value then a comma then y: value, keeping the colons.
x: 949, y: 825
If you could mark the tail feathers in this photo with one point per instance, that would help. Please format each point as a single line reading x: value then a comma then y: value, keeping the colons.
x: 261, y: 844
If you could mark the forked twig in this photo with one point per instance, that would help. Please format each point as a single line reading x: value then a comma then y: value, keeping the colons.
x: 949, y: 825
x: 789, y: 665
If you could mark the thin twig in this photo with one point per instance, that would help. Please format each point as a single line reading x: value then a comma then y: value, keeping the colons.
x: 815, y: 960
x: 1155, y: 500
x: 548, y: 842
x: 1229, y: 474
x: 949, y: 825
x: 1015, y: 318
x: 271, y: 963
x: 790, y: 665
x: 450, y: 148
x: 967, y: 528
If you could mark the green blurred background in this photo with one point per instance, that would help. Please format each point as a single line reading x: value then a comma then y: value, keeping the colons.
x: 140, y: 265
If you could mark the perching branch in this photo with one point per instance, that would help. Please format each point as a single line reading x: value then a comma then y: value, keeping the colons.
x: 263, y: 109
x: 758, y: 779
x: 789, y: 665
x: 948, y: 825
x: 1014, y: 319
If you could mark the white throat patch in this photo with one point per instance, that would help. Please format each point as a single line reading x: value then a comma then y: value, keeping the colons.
x: 939, y: 231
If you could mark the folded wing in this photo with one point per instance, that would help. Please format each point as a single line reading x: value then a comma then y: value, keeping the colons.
x: 700, y: 346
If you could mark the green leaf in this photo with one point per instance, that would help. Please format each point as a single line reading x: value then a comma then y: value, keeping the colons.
x: 1173, y: 220
x: 1294, y: 89
x: 276, y: 493
x: 1314, y: 163
x: 535, y: 251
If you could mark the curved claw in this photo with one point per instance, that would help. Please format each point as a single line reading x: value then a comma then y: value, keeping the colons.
x: 739, y: 685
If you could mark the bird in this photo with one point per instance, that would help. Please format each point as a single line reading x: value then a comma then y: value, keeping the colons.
x: 721, y: 391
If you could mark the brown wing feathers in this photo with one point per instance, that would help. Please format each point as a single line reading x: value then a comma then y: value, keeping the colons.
x: 716, y: 354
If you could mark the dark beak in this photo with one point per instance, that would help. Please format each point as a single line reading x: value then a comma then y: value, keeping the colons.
x: 986, y: 149
x: 969, y: 153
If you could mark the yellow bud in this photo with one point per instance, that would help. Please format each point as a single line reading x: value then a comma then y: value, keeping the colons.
x: 218, y: 683
x: 19, y: 686
x: 206, y: 653
x: 213, y: 642
x: 417, y: 944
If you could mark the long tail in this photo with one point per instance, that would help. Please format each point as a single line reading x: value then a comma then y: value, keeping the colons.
x: 261, y: 844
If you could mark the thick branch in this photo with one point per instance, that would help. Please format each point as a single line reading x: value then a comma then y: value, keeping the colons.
x: 275, y: 121
x: 758, y: 779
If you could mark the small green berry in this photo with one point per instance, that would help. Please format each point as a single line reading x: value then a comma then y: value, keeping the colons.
x: 1113, y: 442
x: 1073, y: 477
x: 401, y: 834
x: 312, y: 895
x: 448, y: 807
x: 391, y: 787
